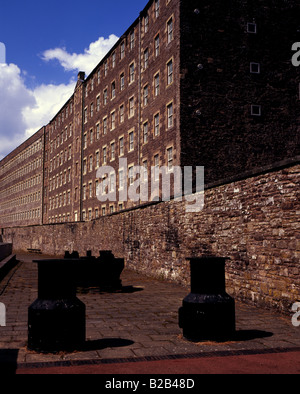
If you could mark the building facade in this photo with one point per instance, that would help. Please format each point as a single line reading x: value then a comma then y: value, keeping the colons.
x: 190, y: 83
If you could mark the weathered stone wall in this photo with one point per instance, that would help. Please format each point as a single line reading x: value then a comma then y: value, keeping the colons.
x: 254, y: 222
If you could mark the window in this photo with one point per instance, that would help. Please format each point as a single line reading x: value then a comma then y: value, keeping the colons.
x: 92, y: 110
x: 84, y: 192
x: 146, y: 58
x: 96, y: 213
x: 170, y: 115
x: 83, y: 216
x: 131, y: 107
x: 156, y: 167
x: 156, y: 8
x: 121, y: 179
x: 85, y: 115
x: 156, y: 45
x: 85, y: 141
x: 156, y: 84
x: 90, y: 190
x: 97, y: 159
x: 113, y: 60
x: 145, y: 171
x: 170, y: 158
x: 104, y: 155
x: 98, y: 76
x: 97, y: 131
x: 96, y: 187
x: 113, y: 90
x: 105, y: 97
x: 170, y: 30
x: 91, y: 136
x: 254, y: 68
x: 131, y: 73
x: 112, y: 151
x: 113, y: 120
x: 255, y: 110
x: 98, y: 103
x: 145, y: 132
x: 251, y: 28
x: 112, y: 182
x: 105, y: 126
x: 122, y: 81
x: 91, y: 163
x: 132, y: 40
x: 130, y: 175
x: 105, y: 68
x: 90, y: 214
x: 122, y: 50
x: 145, y: 95
x: 84, y: 167
x: 121, y: 113
x: 131, y: 141
x: 121, y: 146
x: 170, y: 72
x: 146, y: 23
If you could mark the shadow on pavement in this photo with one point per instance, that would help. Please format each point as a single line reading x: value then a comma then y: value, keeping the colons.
x: 248, y: 335
x: 104, y: 343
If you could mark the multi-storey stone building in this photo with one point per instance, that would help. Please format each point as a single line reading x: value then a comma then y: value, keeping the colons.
x: 21, y: 183
x: 190, y: 83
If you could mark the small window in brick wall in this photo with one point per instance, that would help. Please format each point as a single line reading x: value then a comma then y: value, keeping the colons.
x: 255, y: 110
x: 251, y: 28
x: 254, y: 68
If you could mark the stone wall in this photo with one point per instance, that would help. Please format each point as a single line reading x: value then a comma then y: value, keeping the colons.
x: 254, y: 222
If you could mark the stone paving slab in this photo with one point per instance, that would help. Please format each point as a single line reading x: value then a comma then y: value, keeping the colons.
x: 140, y: 321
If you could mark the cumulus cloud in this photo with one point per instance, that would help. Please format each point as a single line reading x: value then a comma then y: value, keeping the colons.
x: 14, y: 97
x: 49, y: 100
x: 86, y: 61
x: 24, y: 111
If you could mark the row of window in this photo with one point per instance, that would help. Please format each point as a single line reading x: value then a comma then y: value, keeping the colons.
x: 19, y: 187
x: 27, y: 199
x: 60, y: 179
x: 64, y: 114
x: 61, y: 158
x: 132, y: 40
x: 31, y: 150
x: 91, y: 136
x: 60, y: 200
x: 88, y: 214
x: 89, y: 112
x: 20, y: 172
x: 64, y: 135
x: 21, y: 216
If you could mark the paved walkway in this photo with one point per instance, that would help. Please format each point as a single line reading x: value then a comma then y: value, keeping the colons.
x: 136, y: 331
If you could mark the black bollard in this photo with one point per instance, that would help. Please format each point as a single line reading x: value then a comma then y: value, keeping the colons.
x: 56, y: 320
x: 208, y: 312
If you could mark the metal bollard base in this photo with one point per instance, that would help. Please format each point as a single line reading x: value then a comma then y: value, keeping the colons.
x: 56, y: 325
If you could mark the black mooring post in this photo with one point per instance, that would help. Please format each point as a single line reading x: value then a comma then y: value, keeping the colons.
x: 208, y: 312
x: 56, y: 320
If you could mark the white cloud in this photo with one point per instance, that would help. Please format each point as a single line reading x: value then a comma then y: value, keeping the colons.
x: 49, y: 100
x: 86, y: 61
x: 24, y: 111
x: 14, y: 97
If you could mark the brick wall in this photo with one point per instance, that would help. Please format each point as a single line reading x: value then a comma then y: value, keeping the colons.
x: 254, y: 222
x: 218, y: 89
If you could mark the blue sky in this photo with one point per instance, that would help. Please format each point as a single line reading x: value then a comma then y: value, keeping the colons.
x: 47, y: 43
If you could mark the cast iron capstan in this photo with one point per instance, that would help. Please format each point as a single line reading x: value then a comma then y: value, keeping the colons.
x: 208, y: 312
